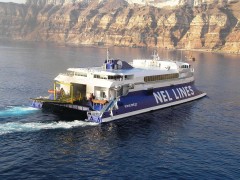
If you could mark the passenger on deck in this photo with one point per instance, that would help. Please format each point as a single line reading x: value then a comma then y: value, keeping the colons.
x: 91, y: 98
x: 62, y: 92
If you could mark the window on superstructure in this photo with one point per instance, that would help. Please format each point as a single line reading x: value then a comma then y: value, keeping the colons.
x: 127, y: 77
x: 160, y: 77
x: 70, y: 73
x: 110, y: 77
x: 96, y: 76
x: 100, y: 76
x: 116, y: 77
x: 80, y: 74
x: 185, y: 66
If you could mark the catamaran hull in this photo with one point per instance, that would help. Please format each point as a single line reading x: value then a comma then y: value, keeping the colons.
x: 153, y: 99
x: 132, y: 113
x: 66, y: 111
x: 134, y: 103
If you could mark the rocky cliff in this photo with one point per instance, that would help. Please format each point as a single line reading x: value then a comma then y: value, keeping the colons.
x: 211, y: 27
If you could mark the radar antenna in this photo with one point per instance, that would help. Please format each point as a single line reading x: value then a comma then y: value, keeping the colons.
x: 108, y: 57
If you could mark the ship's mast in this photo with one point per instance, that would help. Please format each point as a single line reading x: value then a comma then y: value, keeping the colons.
x: 107, y: 54
x: 155, y: 55
x: 107, y: 50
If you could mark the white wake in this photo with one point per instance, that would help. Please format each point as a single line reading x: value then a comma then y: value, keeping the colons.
x: 13, y: 111
x: 11, y: 127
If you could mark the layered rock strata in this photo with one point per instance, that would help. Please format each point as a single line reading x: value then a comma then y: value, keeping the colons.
x: 210, y: 27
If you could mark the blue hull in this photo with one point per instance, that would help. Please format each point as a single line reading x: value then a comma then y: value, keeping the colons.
x: 134, y: 103
x: 154, y: 98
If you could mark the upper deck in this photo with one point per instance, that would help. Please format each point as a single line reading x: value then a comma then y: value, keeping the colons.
x: 116, y: 70
x: 138, y: 68
x: 114, y: 74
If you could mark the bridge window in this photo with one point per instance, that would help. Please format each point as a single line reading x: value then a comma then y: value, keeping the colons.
x: 185, y: 66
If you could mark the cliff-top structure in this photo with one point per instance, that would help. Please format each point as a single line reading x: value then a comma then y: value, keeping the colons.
x: 212, y: 25
x: 155, y: 3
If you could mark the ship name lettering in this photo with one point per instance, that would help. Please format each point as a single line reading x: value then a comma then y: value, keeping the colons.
x: 162, y: 96
x: 177, y: 93
x: 183, y: 92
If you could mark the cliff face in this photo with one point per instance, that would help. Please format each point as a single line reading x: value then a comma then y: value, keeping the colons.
x: 208, y: 27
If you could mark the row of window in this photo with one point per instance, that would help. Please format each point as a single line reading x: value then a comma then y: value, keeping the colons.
x: 71, y: 73
x: 80, y: 74
x: 114, y: 77
x: 185, y: 66
x: 99, y: 77
x: 161, y: 77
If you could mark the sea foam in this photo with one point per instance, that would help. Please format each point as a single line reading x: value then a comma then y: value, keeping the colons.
x: 11, y: 127
x: 13, y: 111
x: 16, y: 111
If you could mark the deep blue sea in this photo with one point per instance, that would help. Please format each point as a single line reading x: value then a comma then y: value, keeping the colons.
x: 196, y: 140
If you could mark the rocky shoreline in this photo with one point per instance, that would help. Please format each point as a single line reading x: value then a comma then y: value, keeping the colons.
x: 210, y: 27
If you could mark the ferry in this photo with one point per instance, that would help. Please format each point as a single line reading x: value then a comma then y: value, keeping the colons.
x: 119, y: 89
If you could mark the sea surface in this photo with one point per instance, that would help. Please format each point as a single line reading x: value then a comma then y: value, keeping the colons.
x: 195, y: 140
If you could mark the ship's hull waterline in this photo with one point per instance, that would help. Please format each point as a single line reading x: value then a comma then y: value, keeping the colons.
x: 134, y: 103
